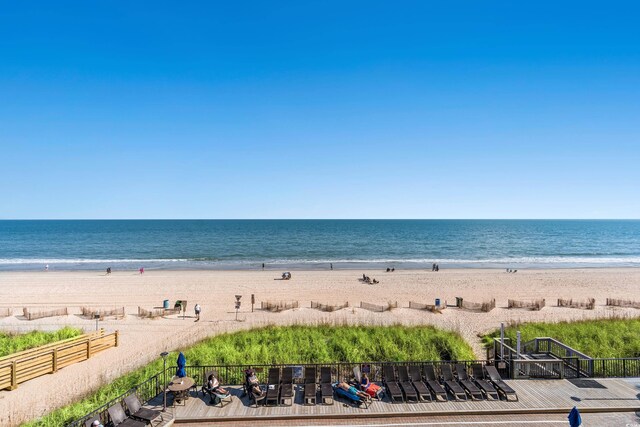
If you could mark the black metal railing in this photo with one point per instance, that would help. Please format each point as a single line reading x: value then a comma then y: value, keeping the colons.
x: 145, y: 391
x: 568, y: 367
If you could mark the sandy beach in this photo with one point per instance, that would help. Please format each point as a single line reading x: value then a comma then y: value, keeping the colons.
x: 143, y: 339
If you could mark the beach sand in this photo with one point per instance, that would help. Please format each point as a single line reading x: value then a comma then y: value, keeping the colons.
x: 142, y: 340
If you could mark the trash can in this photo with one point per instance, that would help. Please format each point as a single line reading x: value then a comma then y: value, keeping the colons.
x: 458, y: 302
x: 437, y: 302
x: 165, y: 304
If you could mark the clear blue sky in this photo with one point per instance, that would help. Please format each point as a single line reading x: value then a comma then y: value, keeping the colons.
x: 321, y: 109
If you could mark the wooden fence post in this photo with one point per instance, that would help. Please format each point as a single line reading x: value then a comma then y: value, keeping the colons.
x: 88, y: 347
x: 117, y: 336
x: 14, y: 380
x: 55, y: 359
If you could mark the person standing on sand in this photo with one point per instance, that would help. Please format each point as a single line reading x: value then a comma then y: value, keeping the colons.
x: 331, y: 265
x: 263, y: 266
x: 46, y: 267
x: 197, y: 310
x: 141, y: 270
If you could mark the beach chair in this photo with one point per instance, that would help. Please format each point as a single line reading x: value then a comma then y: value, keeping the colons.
x: 248, y: 389
x: 215, y: 396
x: 424, y: 394
x: 500, y: 385
x: 466, y: 383
x: 353, y: 398
x: 451, y: 384
x: 432, y: 381
x: 286, y: 386
x: 487, y: 388
x: 273, y: 387
x: 136, y: 411
x: 406, y: 385
x: 119, y: 418
x: 326, y: 390
x: 390, y: 383
x: 310, y: 386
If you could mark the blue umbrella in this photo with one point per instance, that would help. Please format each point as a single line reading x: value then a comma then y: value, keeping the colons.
x: 574, y: 418
x: 182, y: 362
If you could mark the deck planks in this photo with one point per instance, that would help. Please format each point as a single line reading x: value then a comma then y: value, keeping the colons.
x: 535, y: 396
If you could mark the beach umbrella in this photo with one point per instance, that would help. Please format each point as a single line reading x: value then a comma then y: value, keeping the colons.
x: 182, y: 363
x: 574, y: 417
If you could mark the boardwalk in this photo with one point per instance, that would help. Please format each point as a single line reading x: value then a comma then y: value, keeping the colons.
x: 536, y: 396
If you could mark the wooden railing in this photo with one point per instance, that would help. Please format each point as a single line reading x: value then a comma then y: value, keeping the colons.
x: 19, y: 367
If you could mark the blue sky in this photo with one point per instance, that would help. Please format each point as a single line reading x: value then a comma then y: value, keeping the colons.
x: 321, y: 109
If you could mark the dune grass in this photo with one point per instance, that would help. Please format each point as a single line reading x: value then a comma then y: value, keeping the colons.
x: 601, y: 338
x: 291, y: 344
x: 13, y: 343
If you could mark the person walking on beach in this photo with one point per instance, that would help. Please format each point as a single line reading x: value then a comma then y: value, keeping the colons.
x: 108, y: 270
x: 331, y: 265
x: 141, y: 270
x: 46, y: 267
x: 197, y: 310
x: 263, y: 266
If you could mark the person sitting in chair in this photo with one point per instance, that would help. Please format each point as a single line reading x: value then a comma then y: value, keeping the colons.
x: 253, y: 384
x: 373, y: 390
x: 214, y: 385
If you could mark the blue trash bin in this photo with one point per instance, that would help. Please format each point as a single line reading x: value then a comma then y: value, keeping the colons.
x: 437, y: 302
x: 165, y: 304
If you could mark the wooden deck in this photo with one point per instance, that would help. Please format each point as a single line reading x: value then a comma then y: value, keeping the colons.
x: 535, y: 396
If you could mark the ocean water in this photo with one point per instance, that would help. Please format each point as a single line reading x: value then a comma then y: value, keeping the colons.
x: 313, y: 244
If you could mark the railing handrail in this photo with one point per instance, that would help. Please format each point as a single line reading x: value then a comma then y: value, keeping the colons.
x: 62, y: 343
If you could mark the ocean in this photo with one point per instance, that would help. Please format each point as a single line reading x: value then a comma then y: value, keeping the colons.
x: 315, y: 244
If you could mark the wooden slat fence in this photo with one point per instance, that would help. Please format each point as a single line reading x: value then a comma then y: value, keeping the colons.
x: 485, y: 306
x: 151, y: 314
x: 328, y: 307
x: 429, y: 307
x: 102, y: 312
x: 623, y: 303
x: 378, y: 308
x: 588, y: 304
x: 535, y: 305
x: 23, y: 366
x: 32, y: 314
x: 279, y: 306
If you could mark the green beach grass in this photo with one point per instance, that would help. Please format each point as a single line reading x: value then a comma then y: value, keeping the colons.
x: 291, y: 344
x: 602, y: 338
x: 13, y: 343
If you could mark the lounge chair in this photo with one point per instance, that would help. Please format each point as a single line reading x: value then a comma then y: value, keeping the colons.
x: 500, y: 385
x: 310, y: 386
x: 248, y: 388
x: 215, y: 396
x: 119, y: 418
x: 352, y: 397
x: 286, y: 386
x: 406, y: 385
x: 451, y: 384
x: 390, y: 383
x: 466, y: 383
x: 137, y: 412
x: 432, y: 382
x: 485, y: 385
x: 326, y: 390
x: 273, y: 387
x: 424, y: 394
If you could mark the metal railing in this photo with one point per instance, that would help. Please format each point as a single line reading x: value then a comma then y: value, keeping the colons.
x: 145, y: 391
